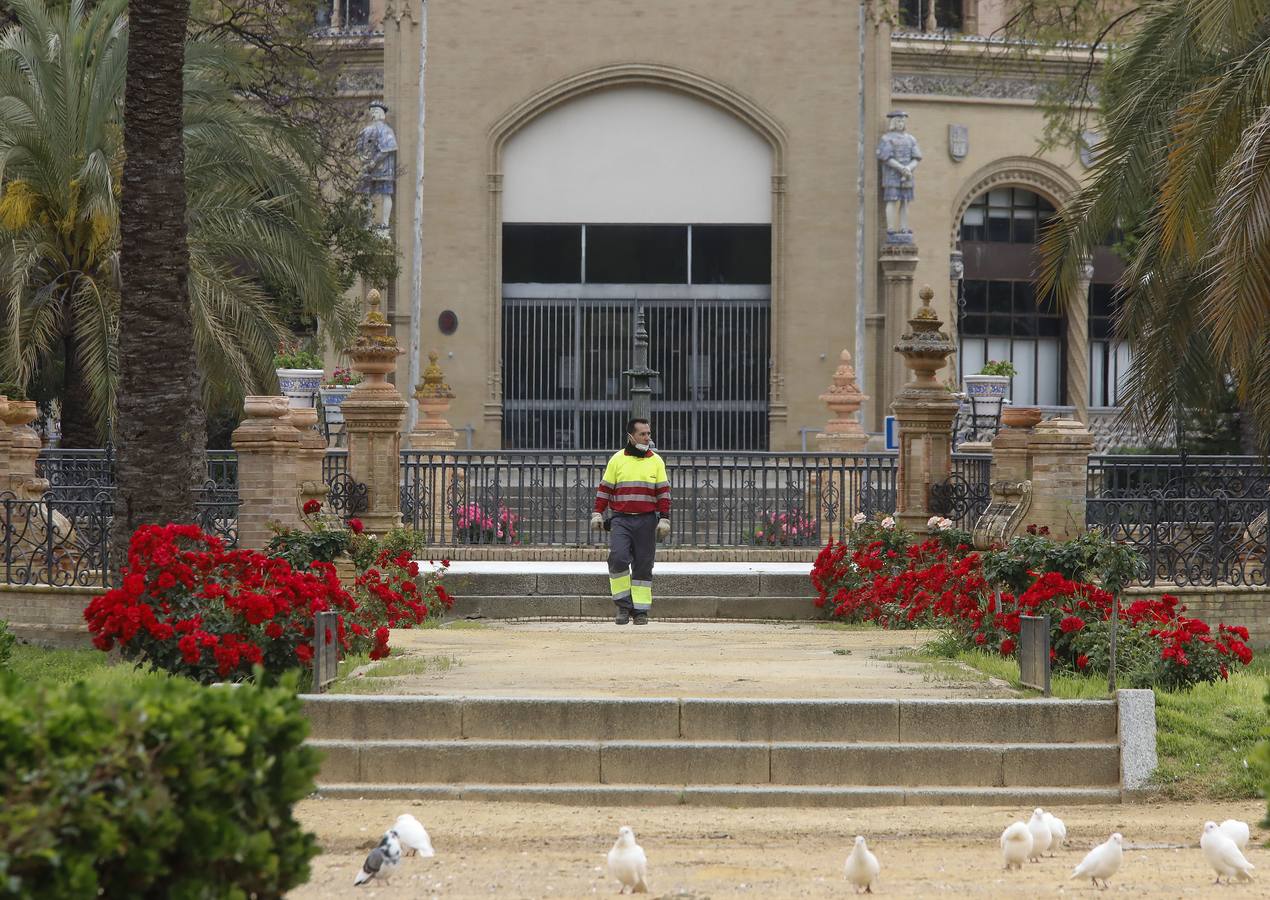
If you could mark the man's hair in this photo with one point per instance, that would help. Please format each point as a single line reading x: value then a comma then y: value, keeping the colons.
x: 630, y: 426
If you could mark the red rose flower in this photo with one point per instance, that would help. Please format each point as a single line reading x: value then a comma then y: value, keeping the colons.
x: 1071, y: 623
x: 356, y: 526
x: 304, y: 653
x: 1007, y: 647
x: 1082, y: 661
x: 312, y: 506
x: 273, y: 631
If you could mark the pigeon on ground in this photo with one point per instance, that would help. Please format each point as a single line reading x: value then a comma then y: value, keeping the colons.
x: 1102, y: 862
x: 1237, y: 831
x: 627, y: 862
x: 1058, y: 832
x: 1016, y: 845
x: 1040, y: 834
x: 413, y: 836
x: 1223, y: 855
x: 382, y: 861
x: 862, y: 867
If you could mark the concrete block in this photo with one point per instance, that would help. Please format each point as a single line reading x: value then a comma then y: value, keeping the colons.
x: 710, y: 585
x: 775, y: 796
x: 680, y: 607
x: 774, y: 584
x: 953, y: 764
x: 514, y: 607
x: 340, y: 791
x: 789, y: 720
x: 1007, y: 721
x: 341, y: 761
x: 684, y: 763
x: 599, y: 606
x: 370, y: 718
x: 491, y: 584
x: 577, y: 795
x: 1136, y: 720
x: 1020, y: 798
x: 782, y: 608
x: 568, y: 719
x: 492, y: 762
x: 1072, y: 765
x: 593, y: 584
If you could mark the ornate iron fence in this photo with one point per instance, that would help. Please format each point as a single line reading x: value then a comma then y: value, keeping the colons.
x: 967, y: 492
x: 1190, y: 540
x: 1180, y: 475
x: 62, y: 543
x: 719, y: 499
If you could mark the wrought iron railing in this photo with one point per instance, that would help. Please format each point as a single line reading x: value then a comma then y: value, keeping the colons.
x: 334, y: 463
x: 1180, y: 475
x: 719, y: 499
x: 82, y: 474
x: 1190, y: 540
x: 62, y: 544
x: 966, y: 493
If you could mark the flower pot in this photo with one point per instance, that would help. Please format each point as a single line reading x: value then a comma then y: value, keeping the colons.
x: 986, y: 393
x: 1020, y: 417
x: 300, y: 385
x: 332, y: 396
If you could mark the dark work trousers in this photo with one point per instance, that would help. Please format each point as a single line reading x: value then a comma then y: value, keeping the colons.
x: 632, y: 542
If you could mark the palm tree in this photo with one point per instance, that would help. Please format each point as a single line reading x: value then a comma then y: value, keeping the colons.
x: 253, y: 215
x: 1184, y: 166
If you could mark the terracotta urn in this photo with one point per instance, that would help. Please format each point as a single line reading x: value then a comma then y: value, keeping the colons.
x: 1020, y: 417
x: 265, y: 406
x: 19, y: 413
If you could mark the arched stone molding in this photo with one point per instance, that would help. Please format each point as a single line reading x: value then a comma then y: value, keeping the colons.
x: 627, y: 75
x: 1051, y: 181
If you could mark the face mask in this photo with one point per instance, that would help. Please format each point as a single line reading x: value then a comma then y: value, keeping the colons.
x: 642, y: 448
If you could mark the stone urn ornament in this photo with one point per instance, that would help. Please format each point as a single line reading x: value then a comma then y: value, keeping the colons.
x: 1021, y: 417
x: 434, y: 397
x: 844, y: 398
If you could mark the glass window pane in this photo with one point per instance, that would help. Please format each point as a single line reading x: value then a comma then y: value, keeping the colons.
x: 998, y: 225
x: 1023, y: 391
x: 1024, y: 226
x: 998, y: 349
x: 1098, y: 373
x: 1000, y: 296
x: 1025, y: 298
x: 976, y: 325
x: 975, y: 294
x: 1049, y: 373
x: 545, y: 254
x: 731, y: 254
x: 1024, y: 197
x: 637, y: 254
x: 999, y: 197
x: 972, y: 355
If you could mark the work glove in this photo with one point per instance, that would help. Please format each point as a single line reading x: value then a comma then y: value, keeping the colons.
x: 663, y: 530
x: 597, y: 522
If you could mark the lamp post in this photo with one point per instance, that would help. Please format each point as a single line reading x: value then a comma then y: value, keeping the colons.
x: 640, y: 374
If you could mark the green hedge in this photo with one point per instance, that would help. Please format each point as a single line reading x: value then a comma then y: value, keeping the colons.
x: 161, y: 788
x: 7, y: 641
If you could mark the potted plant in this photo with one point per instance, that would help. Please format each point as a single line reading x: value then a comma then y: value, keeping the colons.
x: 334, y: 389
x: 299, y: 373
x: 989, y: 390
x: 21, y: 412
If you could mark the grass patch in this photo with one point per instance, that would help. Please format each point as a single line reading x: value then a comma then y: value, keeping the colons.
x: 847, y: 626
x: 359, y: 675
x: 41, y: 665
x: 464, y: 625
x: 938, y: 668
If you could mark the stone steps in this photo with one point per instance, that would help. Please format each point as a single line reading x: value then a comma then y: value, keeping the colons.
x: 718, y: 751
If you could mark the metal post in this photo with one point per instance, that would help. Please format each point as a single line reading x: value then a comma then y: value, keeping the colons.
x: 640, y: 374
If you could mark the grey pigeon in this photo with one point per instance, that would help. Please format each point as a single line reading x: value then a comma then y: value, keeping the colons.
x: 382, y: 861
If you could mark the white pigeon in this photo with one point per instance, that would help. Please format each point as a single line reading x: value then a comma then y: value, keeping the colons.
x: 1224, y: 855
x: 1102, y: 862
x: 1016, y: 845
x: 413, y: 836
x: 862, y: 867
x: 382, y: 861
x: 627, y: 862
x: 1058, y: 832
x: 1237, y: 831
x: 1040, y: 834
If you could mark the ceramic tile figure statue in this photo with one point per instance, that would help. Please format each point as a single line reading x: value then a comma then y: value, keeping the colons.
x: 899, y: 154
x: 377, y: 147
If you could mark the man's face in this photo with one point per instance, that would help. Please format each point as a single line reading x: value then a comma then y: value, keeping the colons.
x: 641, y: 434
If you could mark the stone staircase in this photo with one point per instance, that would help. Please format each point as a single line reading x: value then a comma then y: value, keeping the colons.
x: 681, y: 590
x: 722, y: 752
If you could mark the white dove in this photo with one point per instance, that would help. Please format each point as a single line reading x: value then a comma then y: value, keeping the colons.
x: 1016, y: 845
x: 1058, y: 832
x: 1102, y: 862
x: 1040, y: 833
x: 1237, y: 831
x: 413, y: 836
x: 627, y: 862
x: 382, y: 861
x: 862, y: 867
x: 1223, y: 855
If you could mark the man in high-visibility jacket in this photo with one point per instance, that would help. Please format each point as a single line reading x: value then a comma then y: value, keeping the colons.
x: 636, y: 491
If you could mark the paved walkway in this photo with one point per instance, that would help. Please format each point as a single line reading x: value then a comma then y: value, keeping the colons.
x: 675, y: 659
x: 589, y: 567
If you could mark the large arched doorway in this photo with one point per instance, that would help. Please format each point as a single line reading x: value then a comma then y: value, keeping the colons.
x: 629, y: 199
x: 1001, y: 316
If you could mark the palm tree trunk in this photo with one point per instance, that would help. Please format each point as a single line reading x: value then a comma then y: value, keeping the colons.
x: 79, y: 427
x: 161, y: 424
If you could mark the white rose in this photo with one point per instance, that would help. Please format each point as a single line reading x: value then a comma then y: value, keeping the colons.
x: 933, y: 522
x: 945, y: 524
x: 888, y: 522
x: 859, y: 518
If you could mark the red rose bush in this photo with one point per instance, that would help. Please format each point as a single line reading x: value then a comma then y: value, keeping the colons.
x: 188, y: 605
x: 886, y: 575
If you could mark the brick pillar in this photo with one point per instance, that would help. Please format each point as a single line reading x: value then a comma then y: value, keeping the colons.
x: 1059, y: 451
x: 19, y: 448
x: 6, y: 442
x: 1010, y: 459
x: 309, y: 456
x: 372, y: 419
x: 268, y: 468
x: 924, y: 411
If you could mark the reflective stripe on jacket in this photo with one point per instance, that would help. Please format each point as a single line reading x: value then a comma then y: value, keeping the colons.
x: 634, y: 485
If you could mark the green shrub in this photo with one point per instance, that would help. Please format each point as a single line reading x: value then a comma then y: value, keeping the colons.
x: 161, y: 788
x: 7, y: 641
x: 12, y: 390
